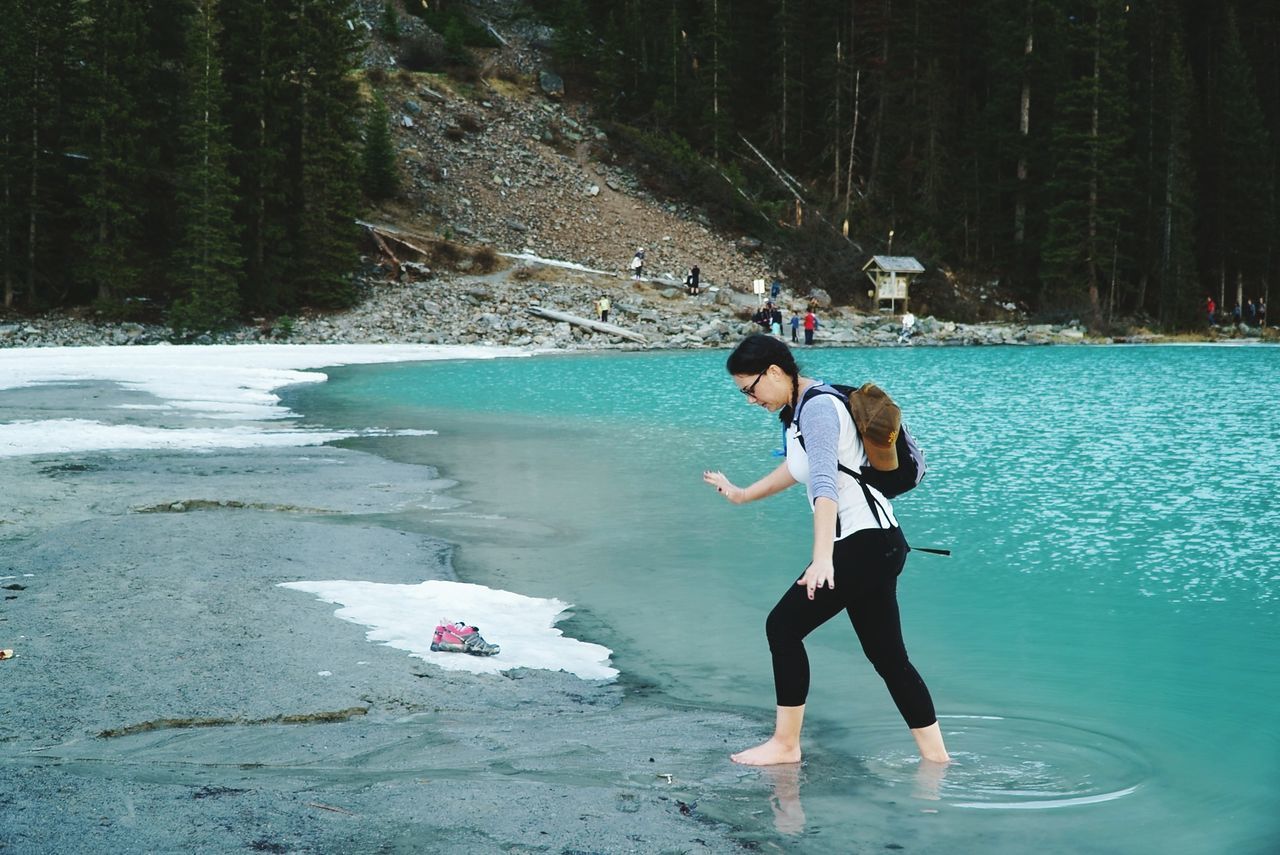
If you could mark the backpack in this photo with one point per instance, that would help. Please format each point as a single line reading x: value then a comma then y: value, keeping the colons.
x: 911, y: 463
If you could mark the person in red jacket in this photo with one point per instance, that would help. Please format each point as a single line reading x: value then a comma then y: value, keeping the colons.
x: 810, y: 324
x: 1212, y: 307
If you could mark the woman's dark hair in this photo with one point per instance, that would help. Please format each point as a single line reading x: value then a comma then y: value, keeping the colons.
x: 755, y: 353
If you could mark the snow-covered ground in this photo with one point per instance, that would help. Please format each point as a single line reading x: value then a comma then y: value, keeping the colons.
x: 233, y: 383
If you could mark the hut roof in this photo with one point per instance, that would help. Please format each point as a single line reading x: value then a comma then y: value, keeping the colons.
x: 895, y: 264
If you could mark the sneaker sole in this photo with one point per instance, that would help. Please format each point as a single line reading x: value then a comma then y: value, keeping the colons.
x: 446, y: 647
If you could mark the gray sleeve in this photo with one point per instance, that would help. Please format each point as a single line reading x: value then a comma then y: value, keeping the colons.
x: 821, y: 429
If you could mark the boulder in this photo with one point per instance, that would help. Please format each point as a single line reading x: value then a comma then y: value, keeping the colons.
x: 542, y: 38
x: 748, y: 244
x: 822, y: 298
x: 552, y: 84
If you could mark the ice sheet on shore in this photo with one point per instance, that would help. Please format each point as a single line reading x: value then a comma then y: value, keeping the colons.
x: 224, y: 382
x: 72, y: 436
x: 214, y: 381
x: 404, y: 616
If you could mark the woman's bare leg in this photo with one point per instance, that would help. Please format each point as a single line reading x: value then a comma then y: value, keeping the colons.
x: 782, y: 747
x: 929, y: 741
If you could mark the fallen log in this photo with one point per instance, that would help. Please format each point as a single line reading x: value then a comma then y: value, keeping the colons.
x: 386, y: 250
x: 495, y: 34
x: 607, y: 329
x: 391, y: 235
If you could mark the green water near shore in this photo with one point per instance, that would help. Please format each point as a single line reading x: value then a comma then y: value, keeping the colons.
x: 1101, y: 647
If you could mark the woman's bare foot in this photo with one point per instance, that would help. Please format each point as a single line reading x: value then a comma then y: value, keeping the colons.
x: 768, y: 753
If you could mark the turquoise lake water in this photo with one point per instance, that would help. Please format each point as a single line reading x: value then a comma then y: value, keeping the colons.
x: 1103, y: 647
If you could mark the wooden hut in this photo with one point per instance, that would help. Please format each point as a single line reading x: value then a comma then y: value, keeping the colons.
x: 891, y: 276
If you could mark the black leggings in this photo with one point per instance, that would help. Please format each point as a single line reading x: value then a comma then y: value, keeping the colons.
x: 867, y: 565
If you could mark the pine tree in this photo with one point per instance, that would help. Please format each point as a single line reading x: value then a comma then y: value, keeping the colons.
x: 1180, y: 303
x: 264, y: 116
x: 11, y: 77
x: 41, y: 63
x: 455, y: 43
x: 715, y: 76
x: 112, y: 133
x: 390, y: 22
x: 381, y: 180
x: 1248, y: 217
x: 1163, y: 248
x: 574, y: 46
x: 206, y: 263
x: 328, y: 192
x: 1091, y: 180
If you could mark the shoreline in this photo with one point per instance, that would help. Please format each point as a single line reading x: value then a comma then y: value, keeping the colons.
x: 169, y: 695
x: 494, y: 311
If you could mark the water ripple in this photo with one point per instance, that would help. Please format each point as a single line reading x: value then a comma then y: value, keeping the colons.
x: 1011, y: 763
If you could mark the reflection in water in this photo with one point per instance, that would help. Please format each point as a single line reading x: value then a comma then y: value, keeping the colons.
x: 929, y: 778
x: 784, y: 801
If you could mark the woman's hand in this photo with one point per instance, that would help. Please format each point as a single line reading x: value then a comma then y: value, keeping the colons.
x: 725, y: 487
x: 817, y: 574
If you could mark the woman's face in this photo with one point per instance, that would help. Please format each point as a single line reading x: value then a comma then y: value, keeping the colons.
x: 770, y: 388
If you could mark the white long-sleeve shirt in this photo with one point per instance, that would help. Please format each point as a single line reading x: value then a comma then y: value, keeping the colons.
x: 830, y: 438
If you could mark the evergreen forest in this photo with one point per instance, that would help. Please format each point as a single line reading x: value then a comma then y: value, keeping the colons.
x: 1116, y: 158
x: 1110, y: 158
x: 200, y: 155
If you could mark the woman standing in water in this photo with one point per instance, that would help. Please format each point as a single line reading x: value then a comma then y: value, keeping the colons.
x: 858, y: 549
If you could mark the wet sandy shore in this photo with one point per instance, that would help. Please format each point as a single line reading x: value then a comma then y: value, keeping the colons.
x: 168, y: 696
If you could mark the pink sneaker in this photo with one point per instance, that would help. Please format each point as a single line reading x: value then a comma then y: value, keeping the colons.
x: 460, y: 638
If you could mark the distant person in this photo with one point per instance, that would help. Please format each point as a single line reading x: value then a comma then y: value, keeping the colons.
x: 603, y: 305
x: 858, y: 549
x: 1211, y: 308
x: 908, y: 327
x: 775, y: 289
x: 1235, y: 314
x: 1262, y: 313
x: 1250, y: 313
x: 775, y: 322
x: 810, y: 325
x: 696, y: 277
x: 795, y: 328
x: 637, y: 264
x: 764, y: 317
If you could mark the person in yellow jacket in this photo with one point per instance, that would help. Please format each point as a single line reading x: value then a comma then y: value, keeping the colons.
x: 602, y: 306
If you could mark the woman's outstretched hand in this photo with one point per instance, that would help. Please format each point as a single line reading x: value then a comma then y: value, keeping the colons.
x: 725, y: 487
x: 816, y: 575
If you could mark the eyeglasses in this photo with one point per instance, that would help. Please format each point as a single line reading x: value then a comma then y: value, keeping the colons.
x: 750, y: 391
